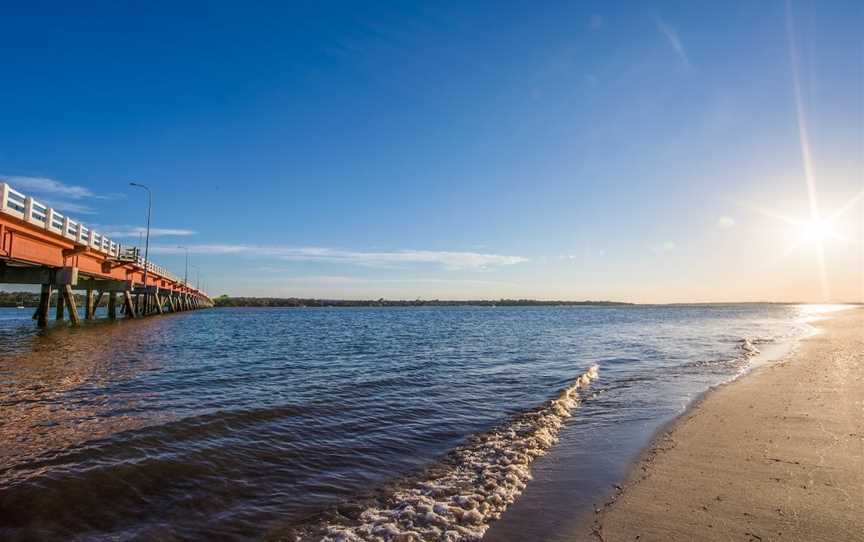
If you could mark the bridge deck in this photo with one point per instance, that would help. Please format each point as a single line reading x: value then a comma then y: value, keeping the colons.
x: 38, y: 245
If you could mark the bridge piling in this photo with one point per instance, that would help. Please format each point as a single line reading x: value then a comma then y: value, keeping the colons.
x: 90, y: 307
x: 60, y: 306
x: 130, y: 309
x: 112, y: 305
x: 71, y: 308
x: 44, y: 305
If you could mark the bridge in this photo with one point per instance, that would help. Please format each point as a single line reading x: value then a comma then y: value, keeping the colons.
x: 40, y: 246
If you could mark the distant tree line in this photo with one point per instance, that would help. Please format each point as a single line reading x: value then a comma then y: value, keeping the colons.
x: 31, y: 299
x: 226, y: 301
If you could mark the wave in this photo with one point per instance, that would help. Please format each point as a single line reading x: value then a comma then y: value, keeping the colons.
x: 458, y: 498
x: 748, y: 348
x: 137, y: 443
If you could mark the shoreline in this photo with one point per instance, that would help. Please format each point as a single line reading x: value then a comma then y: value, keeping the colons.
x: 545, y: 497
x: 659, y: 475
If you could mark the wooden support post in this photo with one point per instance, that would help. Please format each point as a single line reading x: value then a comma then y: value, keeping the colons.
x: 60, y: 305
x: 98, y: 301
x: 158, y: 302
x: 70, y: 303
x: 44, y: 305
x: 90, y: 309
x: 112, y: 305
x: 135, y: 308
x: 130, y: 308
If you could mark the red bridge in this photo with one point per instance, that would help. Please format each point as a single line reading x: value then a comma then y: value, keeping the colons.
x: 38, y: 245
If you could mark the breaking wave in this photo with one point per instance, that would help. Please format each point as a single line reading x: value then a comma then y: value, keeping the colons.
x: 458, y: 498
x: 748, y: 348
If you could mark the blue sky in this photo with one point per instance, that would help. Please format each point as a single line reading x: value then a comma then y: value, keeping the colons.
x: 645, y: 151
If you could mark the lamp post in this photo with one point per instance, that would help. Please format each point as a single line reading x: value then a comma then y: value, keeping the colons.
x: 186, y: 273
x: 197, y: 277
x: 147, y: 238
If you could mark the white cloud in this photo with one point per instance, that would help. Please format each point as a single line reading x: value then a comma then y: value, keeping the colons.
x: 212, y: 249
x: 674, y: 41
x: 336, y: 279
x: 725, y: 222
x: 665, y: 246
x: 67, y: 206
x: 135, y: 231
x: 54, y: 193
x: 453, y: 260
x: 44, y: 185
x: 445, y: 259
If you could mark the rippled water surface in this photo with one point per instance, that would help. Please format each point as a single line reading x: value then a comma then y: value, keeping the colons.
x: 254, y: 423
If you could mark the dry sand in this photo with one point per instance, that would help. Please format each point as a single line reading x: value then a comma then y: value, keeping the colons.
x: 775, y: 455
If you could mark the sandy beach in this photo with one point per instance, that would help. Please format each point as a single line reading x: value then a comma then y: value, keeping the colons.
x: 775, y: 455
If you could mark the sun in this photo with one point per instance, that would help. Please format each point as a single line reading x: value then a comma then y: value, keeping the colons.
x: 816, y: 231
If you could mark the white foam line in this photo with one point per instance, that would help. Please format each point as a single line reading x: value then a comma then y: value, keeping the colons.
x: 473, y: 487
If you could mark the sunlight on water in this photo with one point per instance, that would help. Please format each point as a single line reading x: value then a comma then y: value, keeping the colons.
x: 814, y: 313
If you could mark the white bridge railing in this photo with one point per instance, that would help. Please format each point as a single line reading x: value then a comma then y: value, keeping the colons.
x: 29, y: 210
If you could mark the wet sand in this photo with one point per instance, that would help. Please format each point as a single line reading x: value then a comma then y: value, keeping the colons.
x: 775, y: 455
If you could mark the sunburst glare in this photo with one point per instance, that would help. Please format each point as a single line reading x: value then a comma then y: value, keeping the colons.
x: 816, y: 230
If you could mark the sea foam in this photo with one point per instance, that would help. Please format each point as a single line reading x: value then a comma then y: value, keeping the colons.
x: 471, y: 487
x: 748, y: 348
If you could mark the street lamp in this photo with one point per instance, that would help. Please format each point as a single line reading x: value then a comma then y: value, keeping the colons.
x: 186, y: 274
x: 147, y: 239
x: 197, y: 277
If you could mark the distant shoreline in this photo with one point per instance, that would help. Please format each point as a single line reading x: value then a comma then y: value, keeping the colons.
x: 225, y: 301
x: 31, y: 299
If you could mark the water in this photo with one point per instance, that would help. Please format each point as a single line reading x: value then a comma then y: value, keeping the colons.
x: 277, y: 423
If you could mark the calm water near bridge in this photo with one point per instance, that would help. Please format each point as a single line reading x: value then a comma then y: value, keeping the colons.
x: 246, y: 424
